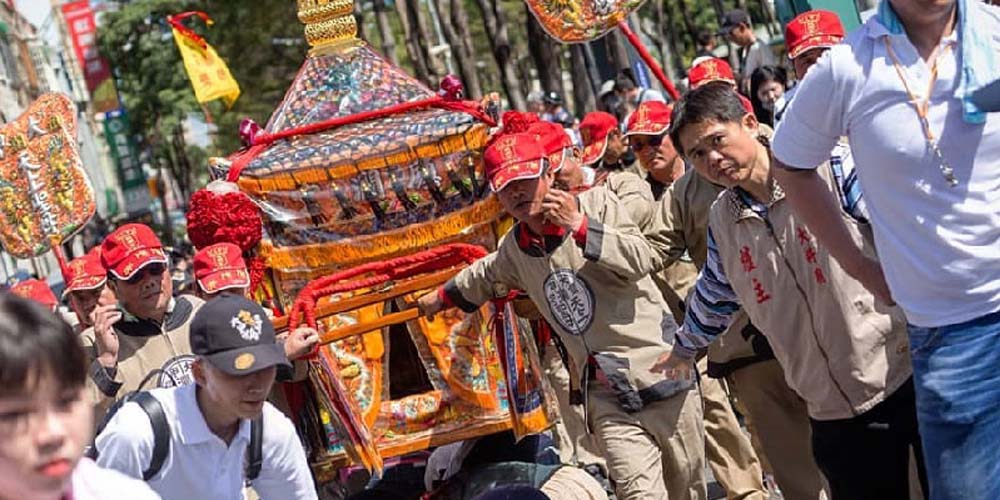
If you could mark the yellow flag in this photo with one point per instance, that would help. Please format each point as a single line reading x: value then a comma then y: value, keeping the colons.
x: 209, y: 74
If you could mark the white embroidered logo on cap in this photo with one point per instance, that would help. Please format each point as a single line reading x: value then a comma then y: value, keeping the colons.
x: 248, y: 325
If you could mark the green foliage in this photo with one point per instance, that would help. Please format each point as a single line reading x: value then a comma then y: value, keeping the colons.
x: 148, y: 69
x: 263, y: 47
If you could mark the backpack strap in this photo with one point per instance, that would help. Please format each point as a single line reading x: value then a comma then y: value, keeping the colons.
x: 161, y: 432
x: 255, y: 452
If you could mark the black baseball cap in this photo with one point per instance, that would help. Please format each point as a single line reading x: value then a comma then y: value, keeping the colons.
x: 733, y: 19
x: 235, y: 335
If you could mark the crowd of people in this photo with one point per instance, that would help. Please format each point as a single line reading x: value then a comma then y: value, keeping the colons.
x: 796, y: 287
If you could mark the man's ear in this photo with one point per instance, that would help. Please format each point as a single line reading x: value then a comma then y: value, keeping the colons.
x: 750, y: 124
x: 198, y: 371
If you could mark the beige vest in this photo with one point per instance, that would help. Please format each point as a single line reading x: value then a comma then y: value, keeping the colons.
x: 841, y: 350
x: 139, y: 355
x: 599, y: 299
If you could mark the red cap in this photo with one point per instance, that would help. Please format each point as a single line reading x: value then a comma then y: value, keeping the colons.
x: 220, y: 267
x: 129, y: 249
x: 554, y: 141
x: 594, y: 129
x: 710, y: 70
x: 650, y: 118
x: 811, y: 30
x: 513, y: 157
x: 36, y: 290
x: 85, y: 273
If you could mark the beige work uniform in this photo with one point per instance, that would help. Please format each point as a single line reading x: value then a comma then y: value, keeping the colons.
x: 144, y: 347
x: 601, y: 302
x: 681, y: 224
x: 728, y: 450
x: 577, y: 446
x: 841, y: 350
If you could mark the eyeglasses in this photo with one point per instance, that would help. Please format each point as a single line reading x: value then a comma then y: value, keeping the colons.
x: 651, y: 141
x: 155, y: 269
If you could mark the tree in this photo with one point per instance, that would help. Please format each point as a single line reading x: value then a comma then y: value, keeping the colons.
x: 463, y: 58
x: 385, y: 31
x: 583, y: 88
x: 496, y: 33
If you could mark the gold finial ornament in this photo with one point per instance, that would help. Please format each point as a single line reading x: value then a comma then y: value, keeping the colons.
x: 328, y: 21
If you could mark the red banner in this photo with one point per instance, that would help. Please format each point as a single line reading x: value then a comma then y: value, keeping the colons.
x: 96, y: 70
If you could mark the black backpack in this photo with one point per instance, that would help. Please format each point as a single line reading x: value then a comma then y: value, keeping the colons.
x: 161, y: 435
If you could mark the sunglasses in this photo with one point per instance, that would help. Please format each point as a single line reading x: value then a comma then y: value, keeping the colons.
x: 155, y: 269
x: 650, y: 141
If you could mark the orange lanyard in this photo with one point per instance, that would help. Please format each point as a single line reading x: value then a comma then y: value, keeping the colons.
x: 921, y: 108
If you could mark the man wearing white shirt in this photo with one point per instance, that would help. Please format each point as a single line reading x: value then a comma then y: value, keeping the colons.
x: 210, y: 421
x: 929, y: 162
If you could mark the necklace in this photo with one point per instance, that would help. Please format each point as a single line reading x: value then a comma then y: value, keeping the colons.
x: 921, y: 108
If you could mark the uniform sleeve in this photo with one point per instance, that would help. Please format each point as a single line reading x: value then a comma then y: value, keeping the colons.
x: 473, y: 286
x: 665, y: 233
x: 284, y: 473
x: 126, y: 443
x: 711, y: 309
x: 814, y: 121
x: 613, y: 240
x: 634, y: 193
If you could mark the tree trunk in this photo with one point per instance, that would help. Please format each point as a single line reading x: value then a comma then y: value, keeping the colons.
x: 664, y: 42
x: 673, y: 37
x: 359, y: 20
x: 617, y: 51
x: 413, y: 46
x: 583, y: 88
x: 461, y: 21
x: 496, y: 31
x: 688, y: 23
x: 545, y: 54
x: 385, y: 31
x: 421, y: 27
x: 465, y: 62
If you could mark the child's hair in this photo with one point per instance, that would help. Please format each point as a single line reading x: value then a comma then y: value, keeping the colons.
x: 713, y: 101
x: 35, y: 343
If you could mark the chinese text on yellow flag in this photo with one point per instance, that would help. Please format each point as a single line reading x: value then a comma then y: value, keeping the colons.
x: 209, y: 74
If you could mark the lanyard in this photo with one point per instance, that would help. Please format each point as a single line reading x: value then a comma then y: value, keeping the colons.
x: 921, y: 108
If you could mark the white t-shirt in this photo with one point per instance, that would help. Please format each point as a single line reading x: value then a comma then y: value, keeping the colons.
x: 938, y: 245
x: 200, y: 465
x: 91, y: 482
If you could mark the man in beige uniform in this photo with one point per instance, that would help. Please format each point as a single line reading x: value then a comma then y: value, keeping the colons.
x: 843, y: 352
x: 141, y: 342
x: 85, y: 290
x: 605, y: 149
x: 776, y: 414
x: 586, y: 265
x: 728, y: 450
x: 577, y: 446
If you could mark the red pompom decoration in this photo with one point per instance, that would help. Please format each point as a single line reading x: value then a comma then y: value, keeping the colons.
x: 217, y: 217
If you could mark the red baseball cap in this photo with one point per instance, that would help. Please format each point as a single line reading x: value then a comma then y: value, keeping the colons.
x: 650, y: 118
x: 129, y: 249
x: 811, y: 30
x: 85, y: 273
x: 594, y: 130
x: 710, y: 69
x: 220, y: 267
x: 513, y: 157
x: 554, y: 141
x: 36, y: 290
